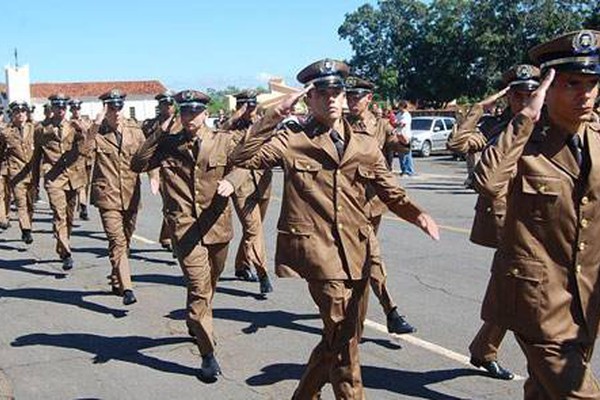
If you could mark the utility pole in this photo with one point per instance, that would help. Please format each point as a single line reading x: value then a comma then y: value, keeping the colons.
x: 16, y: 59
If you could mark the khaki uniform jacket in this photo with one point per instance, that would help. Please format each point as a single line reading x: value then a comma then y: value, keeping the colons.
x: 190, y: 181
x: 258, y: 184
x: 544, y: 282
x: 17, y: 149
x: 379, y: 129
x: 489, y: 212
x: 324, y: 232
x: 58, y: 152
x: 114, y: 185
x: 86, y: 124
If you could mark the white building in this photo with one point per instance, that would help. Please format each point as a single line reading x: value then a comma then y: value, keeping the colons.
x: 139, y: 103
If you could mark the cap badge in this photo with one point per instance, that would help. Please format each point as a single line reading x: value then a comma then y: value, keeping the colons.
x: 115, y: 93
x: 524, y: 72
x: 328, y: 67
x: 187, y: 95
x: 584, y: 42
x: 351, y: 82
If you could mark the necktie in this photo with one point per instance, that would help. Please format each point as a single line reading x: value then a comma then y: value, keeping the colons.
x: 576, y: 146
x: 338, y: 142
x: 119, y: 137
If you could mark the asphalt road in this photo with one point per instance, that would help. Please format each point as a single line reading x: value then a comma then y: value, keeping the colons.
x: 65, y: 337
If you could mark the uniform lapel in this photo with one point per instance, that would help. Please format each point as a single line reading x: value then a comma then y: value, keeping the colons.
x: 324, y: 142
x: 206, y: 143
x: 557, y: 151
x: 592, y: 136
x: 351, y: 147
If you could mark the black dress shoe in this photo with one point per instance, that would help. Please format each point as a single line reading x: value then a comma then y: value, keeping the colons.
x: 83, y: 213
x: 4, y: 225
x: 67, y: 263
x: 129, y: 297
x: 397, y: 324
x: 494, y: 369
x: 265, y: 285
x: 210, y: 370
x: 26, y: 236
x: 167, y: 247
x: 246, y: 274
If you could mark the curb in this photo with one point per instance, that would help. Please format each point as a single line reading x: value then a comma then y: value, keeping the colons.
x: 6, y: 392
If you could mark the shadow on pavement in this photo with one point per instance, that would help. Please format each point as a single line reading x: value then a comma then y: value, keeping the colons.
x: 21, y: 265
x: 264, y: 319
x: 69, y: 297
x: 170, y: 280
x: 407, y: 383
x: 104, y: 349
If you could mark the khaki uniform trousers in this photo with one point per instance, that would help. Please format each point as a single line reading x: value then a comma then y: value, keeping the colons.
x: 166, y: 232
x: 119, y: 226
x: 23, y: 194
x: 486, y: 343
x: 202, y: 266
x: 4, y: 199
x: 252, y: 251
x: 85, y: 189
x: 63, y: 203
x: 343, y: 307
x: 378, y: 273
x: 559, y: 371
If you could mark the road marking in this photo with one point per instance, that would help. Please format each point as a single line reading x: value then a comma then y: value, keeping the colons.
x: 143, y: 239
x: 432, y: 347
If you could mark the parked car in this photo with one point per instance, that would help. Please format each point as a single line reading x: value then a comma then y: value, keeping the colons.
x: 430, y: 134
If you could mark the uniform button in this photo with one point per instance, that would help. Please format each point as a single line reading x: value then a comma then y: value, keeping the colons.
x: 293, y: 230
x: 585, y: 200
x: 489, y: 209
x: 581, y: 246
x: 340, y: 226
x: 542, y: 188
x: 339, y: 208
x: 515, y: 271
x: 578, y: 268
x: 584, y: 223
x: 337, y: 171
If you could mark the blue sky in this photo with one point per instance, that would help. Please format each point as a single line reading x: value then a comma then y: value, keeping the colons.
x: 185, y: 44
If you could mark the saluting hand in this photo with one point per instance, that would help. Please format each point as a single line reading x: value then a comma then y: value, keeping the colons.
x: 168, y: 124
x: 428, y: 225
x: 491, y: 100
x: 287, y: 104
x: 100, y: 116
x: 225, y: 188
x: 533, y: 109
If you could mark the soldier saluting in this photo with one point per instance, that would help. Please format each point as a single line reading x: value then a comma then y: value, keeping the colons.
x: 17, y: 148
x: 544, y: 283
x: 198, y: 180
x: 325, y: 236
x: 63, y: 170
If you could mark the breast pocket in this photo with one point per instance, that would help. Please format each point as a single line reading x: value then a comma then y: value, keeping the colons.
x: 305, y: 174
x: 217, y: 165
x: 540, y: 195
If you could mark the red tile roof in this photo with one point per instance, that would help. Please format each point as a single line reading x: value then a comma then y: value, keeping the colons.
x: 95, y: 89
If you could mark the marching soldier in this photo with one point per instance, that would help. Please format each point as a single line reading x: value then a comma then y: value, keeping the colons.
x: 324, y: 233
x: 520, y: 81
x: 198, y: 181
x: 166, y: 110
x: 17, y: 145
x: 545, y: 272
x: 62, y: 167
x: 86, y: 123
x: 359, y: 94
x: 115, y: 187
x: 250, y: 201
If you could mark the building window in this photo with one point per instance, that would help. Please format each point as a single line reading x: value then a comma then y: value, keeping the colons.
x: 132, y: 113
